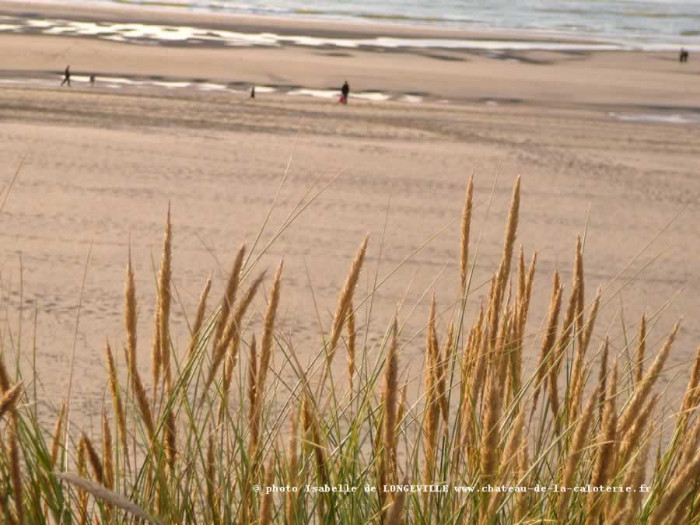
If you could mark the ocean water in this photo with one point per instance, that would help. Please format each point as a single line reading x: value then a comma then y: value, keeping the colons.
x: 651, y: 22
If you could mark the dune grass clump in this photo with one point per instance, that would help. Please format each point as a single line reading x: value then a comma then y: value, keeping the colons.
x: 215, y: 425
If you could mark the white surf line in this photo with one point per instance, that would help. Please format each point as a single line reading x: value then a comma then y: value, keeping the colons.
x: 318, y: 93
x: 29, y: 81
x: 210, y: 86
x: 413, y: 99
x: 375, y: 96
x: 673, y: 118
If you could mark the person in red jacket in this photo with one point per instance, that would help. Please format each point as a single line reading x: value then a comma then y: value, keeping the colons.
x: 344, y: 92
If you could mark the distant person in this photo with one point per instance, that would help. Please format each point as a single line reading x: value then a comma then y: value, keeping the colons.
x: 92, y: 80
x: 683, y: 56
x: 66, y: 77
x: 344, y: 93
x: 252, y: 92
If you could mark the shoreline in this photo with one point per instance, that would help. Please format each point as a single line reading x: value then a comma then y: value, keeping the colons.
x: 285, y: 26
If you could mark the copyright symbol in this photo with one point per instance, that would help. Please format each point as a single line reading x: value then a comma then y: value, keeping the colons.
x: 256, y: 488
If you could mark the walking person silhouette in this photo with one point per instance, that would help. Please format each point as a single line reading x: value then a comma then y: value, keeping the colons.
x: 66, y: 77
x: 345, y: 91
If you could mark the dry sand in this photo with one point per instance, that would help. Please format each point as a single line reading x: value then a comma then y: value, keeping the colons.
x: 100, y: 168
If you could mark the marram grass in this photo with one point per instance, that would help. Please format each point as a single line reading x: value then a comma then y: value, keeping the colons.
x: 204, y: 441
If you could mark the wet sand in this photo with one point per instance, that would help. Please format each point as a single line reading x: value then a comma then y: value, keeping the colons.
x: 101, y: 166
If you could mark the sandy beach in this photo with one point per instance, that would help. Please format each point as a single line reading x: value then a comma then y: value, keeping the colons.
x: 607, y: 144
